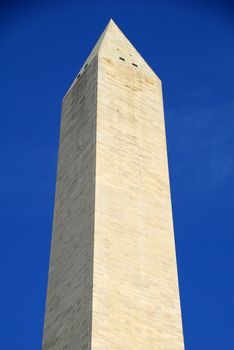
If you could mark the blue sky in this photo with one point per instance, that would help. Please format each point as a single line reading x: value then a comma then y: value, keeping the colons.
x: 190, y: 46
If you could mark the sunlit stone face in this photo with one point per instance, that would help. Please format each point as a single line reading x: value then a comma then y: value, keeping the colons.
x: 113, y: 276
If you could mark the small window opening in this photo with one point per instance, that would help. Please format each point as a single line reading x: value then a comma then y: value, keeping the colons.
x: 78, y: 76
x: 86, y: 66
x: 134, y: 64
x: 122, y: 59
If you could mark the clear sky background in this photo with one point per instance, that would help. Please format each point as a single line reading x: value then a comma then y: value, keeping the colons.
x: 190, y: 45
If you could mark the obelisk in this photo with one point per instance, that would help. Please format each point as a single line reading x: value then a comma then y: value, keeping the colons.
x: 113, y: 276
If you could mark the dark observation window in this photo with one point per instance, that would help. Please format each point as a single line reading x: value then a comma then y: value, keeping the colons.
x: 134, y: 64
x: 78, y: 76
x: 86, y: 66
x: 122, y: 59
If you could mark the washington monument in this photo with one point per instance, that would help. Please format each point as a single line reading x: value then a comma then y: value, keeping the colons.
x: 113, y: 276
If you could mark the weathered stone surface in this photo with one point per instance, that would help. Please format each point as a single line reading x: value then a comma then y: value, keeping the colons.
x: 113, y: 276
x: 69, y: 296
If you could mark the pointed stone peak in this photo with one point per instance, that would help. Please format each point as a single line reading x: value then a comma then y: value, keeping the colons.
x: 114, y: 38
x: 115, y: 43
x: 111, y: 22
x: 113, y: 25
x: 111, y: 28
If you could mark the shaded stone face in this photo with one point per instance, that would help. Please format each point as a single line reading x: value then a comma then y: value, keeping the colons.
x: 113, y: 276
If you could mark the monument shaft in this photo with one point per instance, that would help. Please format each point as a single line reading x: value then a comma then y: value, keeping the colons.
x: 113, y: 275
